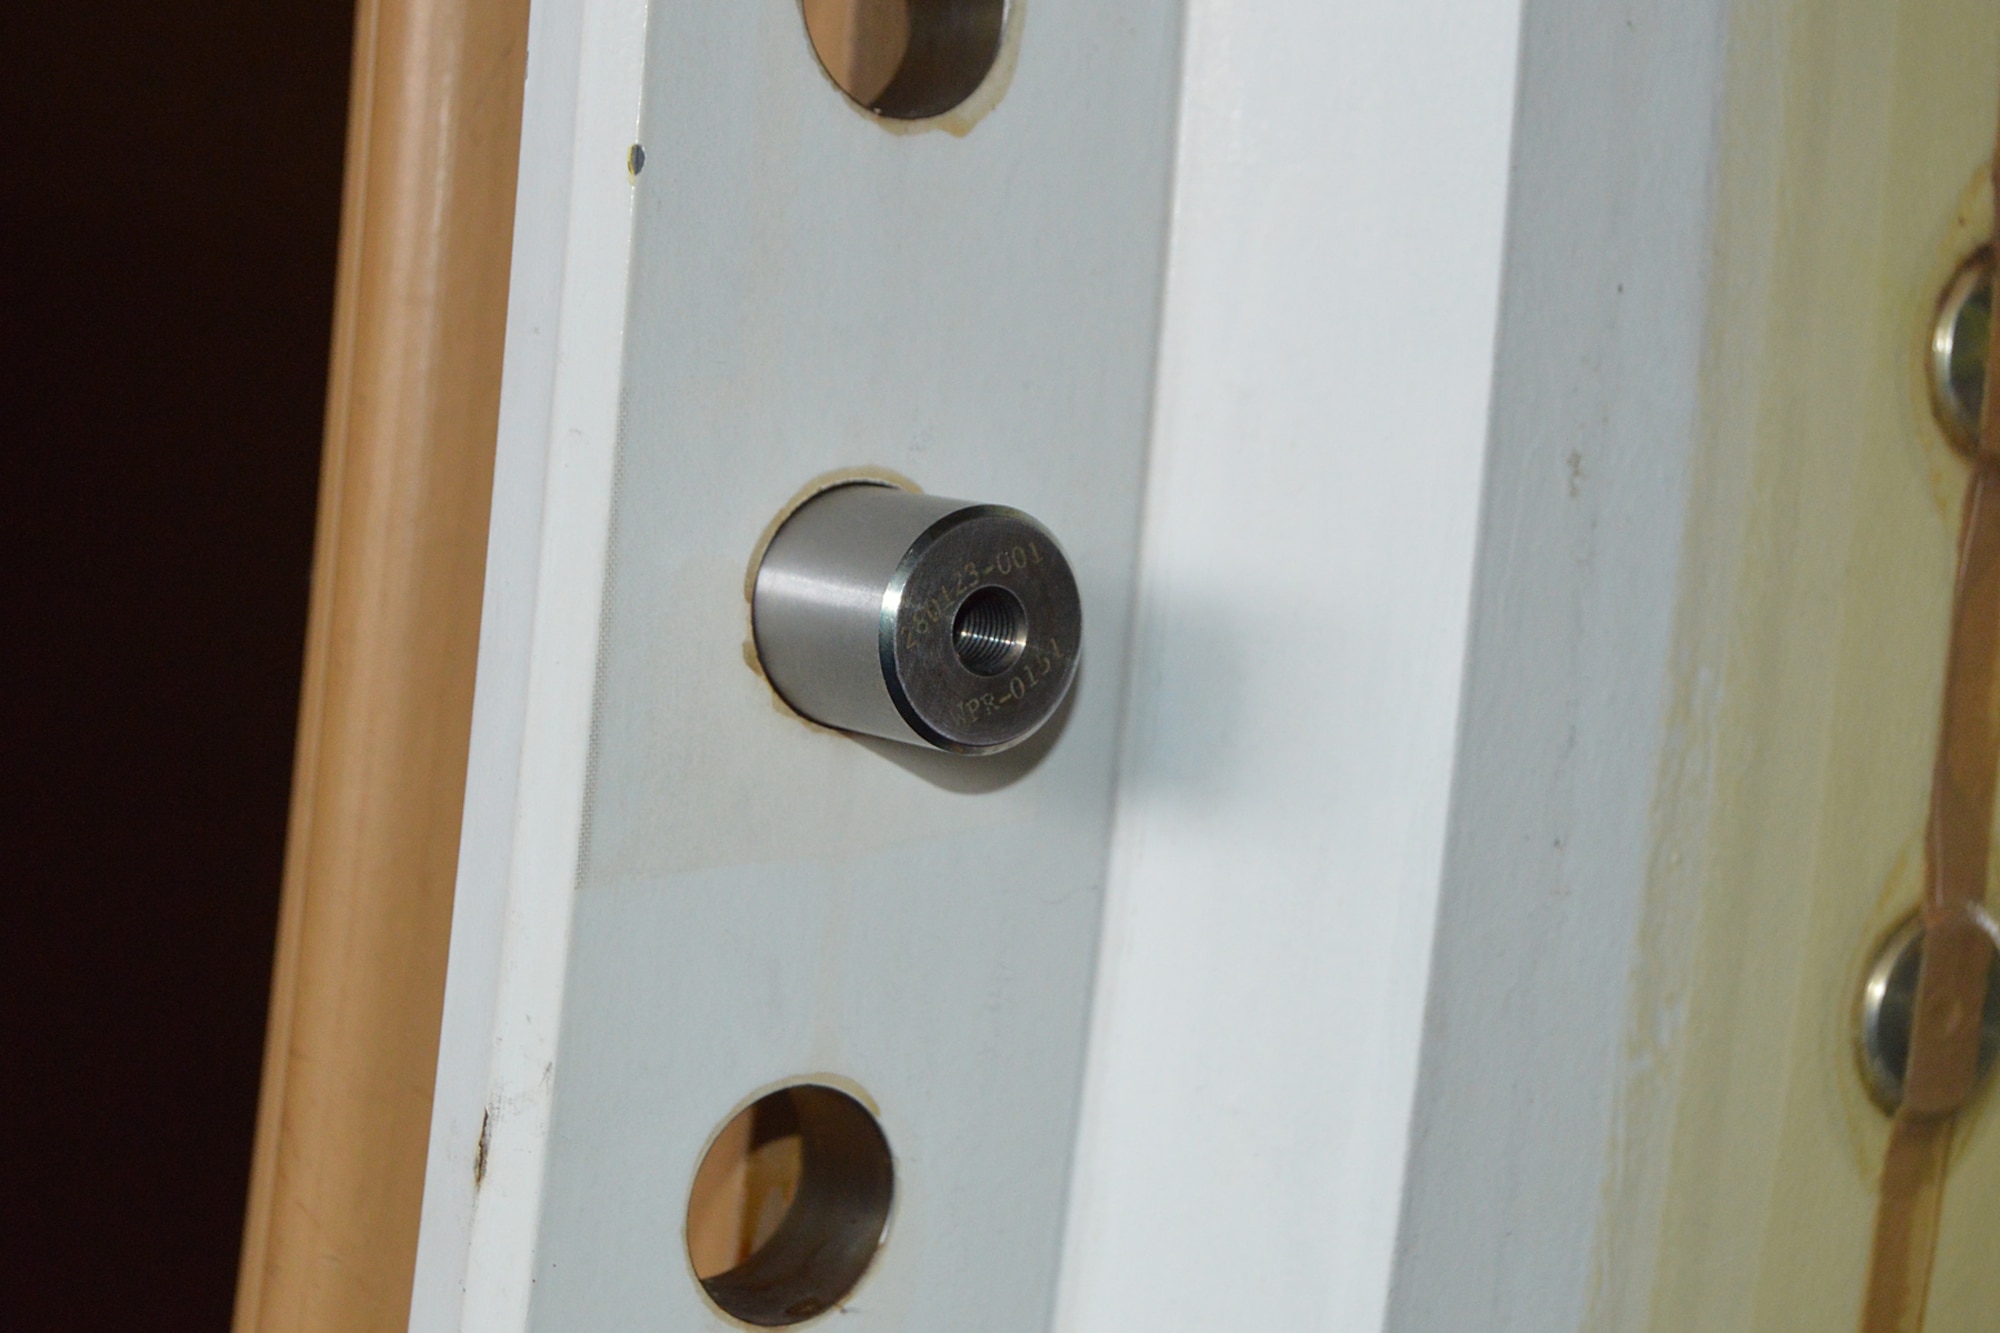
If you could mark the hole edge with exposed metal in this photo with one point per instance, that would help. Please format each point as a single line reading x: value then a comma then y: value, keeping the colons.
x: 835, y: 1225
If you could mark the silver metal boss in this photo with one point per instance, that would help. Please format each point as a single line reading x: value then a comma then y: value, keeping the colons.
x: 916, y: 618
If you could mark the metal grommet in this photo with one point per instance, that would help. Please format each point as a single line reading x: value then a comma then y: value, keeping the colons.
x: 1888, y: 1009
x: 916, y: 618
x: 1957, y: 359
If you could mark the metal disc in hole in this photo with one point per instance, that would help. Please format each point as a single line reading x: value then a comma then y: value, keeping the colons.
x: 1959, y: 340
x: 1888, y: 1008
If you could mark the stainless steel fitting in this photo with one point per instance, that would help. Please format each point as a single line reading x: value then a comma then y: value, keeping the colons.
x: 916, y: 618
x: 1957, y: 357
x: 1888, y: 1011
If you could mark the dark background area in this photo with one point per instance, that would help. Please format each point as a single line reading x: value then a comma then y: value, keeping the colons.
x: 169, y: 209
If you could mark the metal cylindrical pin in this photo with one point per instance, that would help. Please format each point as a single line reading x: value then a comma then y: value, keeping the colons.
x: 917, y: 618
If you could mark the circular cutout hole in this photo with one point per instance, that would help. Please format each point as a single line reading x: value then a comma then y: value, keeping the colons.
x: 906, y: 59
x: 990, y: 631
x: 789, y: 1205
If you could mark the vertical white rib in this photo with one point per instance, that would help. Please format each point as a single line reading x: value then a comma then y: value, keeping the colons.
x: 537, y: 664
x: 1325, y: 377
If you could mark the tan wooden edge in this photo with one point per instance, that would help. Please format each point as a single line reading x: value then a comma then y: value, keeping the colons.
x: 350, y: 1054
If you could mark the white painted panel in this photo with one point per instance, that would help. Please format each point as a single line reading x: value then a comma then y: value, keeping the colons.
x: 704, y: 896
x: 1314, y: 490
x: 710, y: 895
x: 537, y: 659
x: 1596, y: 420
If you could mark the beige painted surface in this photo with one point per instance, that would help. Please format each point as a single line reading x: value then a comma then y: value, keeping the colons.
x: 1810, y: 659
x: 412, y: 402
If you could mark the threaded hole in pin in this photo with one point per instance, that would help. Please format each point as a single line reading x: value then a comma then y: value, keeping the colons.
x: 990, y: 631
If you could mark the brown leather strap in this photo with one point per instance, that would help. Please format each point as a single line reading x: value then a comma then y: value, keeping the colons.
x: 1951, y: 984
x: 1906, y: 1219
